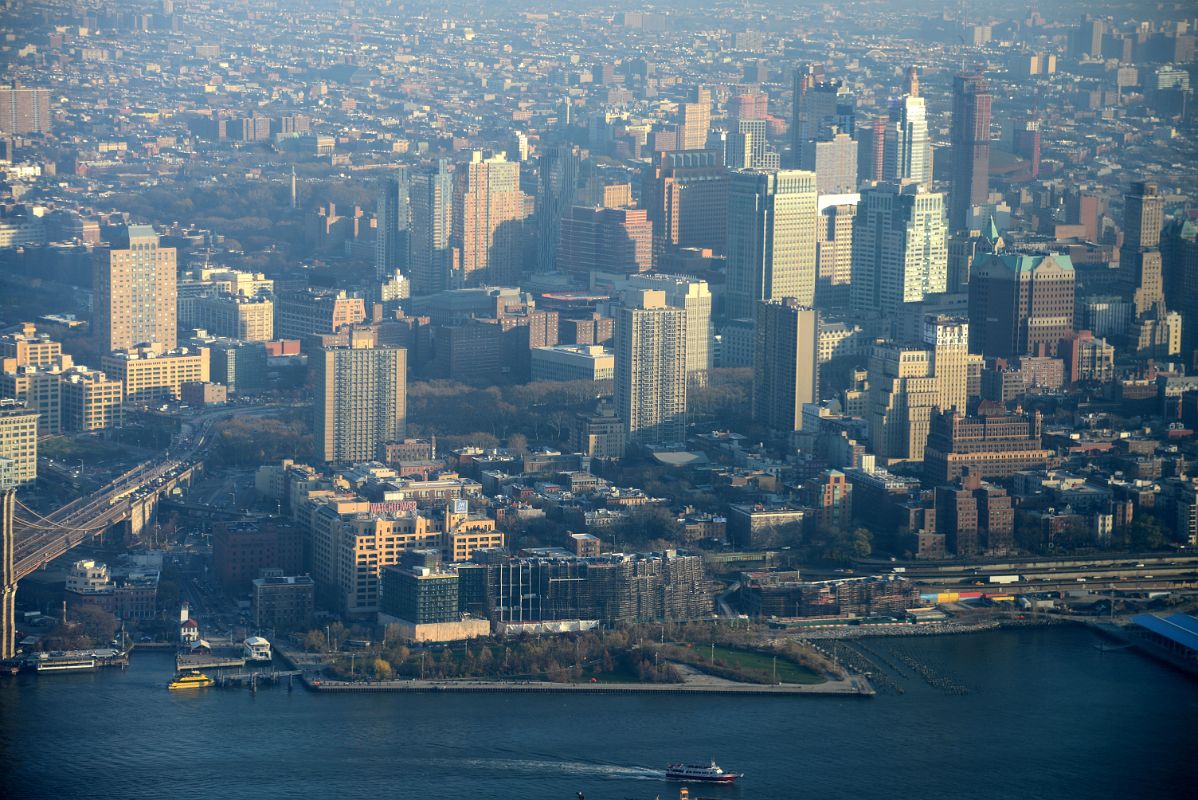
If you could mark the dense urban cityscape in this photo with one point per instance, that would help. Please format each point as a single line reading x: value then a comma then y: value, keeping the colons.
x: 544, y: 400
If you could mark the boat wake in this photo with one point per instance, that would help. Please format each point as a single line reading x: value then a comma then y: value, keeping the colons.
x: 522, y: 768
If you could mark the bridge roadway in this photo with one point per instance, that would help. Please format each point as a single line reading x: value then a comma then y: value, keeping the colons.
x: 28, y: 546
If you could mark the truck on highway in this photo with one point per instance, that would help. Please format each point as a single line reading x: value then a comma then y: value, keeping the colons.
x: 1005, y: 579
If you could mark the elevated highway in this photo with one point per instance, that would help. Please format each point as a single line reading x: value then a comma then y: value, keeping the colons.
x: 29, y: 540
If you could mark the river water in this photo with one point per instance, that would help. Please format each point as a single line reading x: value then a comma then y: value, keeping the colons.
x: 1044, y: 715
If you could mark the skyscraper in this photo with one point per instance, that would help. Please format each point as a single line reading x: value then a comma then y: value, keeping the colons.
x: 970, y: 140
x: 135, y: 285
x: 557, y: 174
x: 695, y: 121
x: 1179, y: 247
x: 749, y: 148
x: 431, y: 254
x: 1140, y: 256
x: 694, y: 297
x: 488, y: 222
x: 785, y: 365
x: 686, y: 196
x: 900, y: 246
x: 393, y: 236
x: 772, y: 219
x: 908, y: 381
x: 1020, y: 304
x: 24, y: 109
x: 832, y: 156
x: 608, y: 239
x: 907, y: 151
x: 834, y: 251
x: 817, y: 105
x: 361, y: 400
x: 651, y: 368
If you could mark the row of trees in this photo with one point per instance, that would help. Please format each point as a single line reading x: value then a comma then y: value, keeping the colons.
x: 640, y: 653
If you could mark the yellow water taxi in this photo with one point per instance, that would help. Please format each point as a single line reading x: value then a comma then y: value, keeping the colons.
x: 190, y: 680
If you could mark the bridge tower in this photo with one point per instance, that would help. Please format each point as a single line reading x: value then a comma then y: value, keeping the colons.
x: 8, y: 576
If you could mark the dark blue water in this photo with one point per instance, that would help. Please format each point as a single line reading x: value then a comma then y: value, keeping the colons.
x: 1045, y: 716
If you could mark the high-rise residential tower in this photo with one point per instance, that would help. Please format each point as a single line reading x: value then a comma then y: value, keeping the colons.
x: 970, y: 140
x: 785, y: 363
x: 361, y: 400
x: 488, y: 222
x: 135, y: 286
x: 651, y: 368
x: 431, y: 257
x: 772, y: 217
x: 900, y: 246
x: 907, y: 151
x: 393, y: 236
x: 24, y: 110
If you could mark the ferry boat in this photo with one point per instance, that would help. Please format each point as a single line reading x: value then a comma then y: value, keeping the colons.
x: 256, y: 648
x: 700, y: 774
x: 190, y: 680
x: 65, y: 662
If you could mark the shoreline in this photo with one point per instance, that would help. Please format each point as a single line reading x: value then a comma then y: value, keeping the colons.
x: 857, y: 686
x: 852, y: 686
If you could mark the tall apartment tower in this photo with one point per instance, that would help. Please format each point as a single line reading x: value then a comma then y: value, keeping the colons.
x: 651, y: 368
x: 970, y: 141
x: 393, y: 236
x: 361, y: 400
x: 695, y: 121
x: 785, y: 363
x: 694, y: 297
x: 900, y: 246
x: 906, y: 149
x: 686, y: 196
x: 431, y: 257
x: 772, y: 217
x: 1020, y: 304
x: 557, y: 175
x: 24, y: 109
x: 1140, y: 256
x: 135, y: 291
x: 488, y: 222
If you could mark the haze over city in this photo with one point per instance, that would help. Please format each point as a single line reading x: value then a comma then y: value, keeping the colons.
x: 598, y: 400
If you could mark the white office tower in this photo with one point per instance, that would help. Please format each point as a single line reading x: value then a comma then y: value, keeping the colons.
x: 906, y: 149
x: 900, y: 247
x: 772, y: 218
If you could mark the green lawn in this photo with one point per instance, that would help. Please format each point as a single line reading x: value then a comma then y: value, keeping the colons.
x: 788, y: 671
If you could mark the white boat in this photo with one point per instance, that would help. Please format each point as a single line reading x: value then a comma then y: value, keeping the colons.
x: 256, y: 648
x: 699, y: 773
